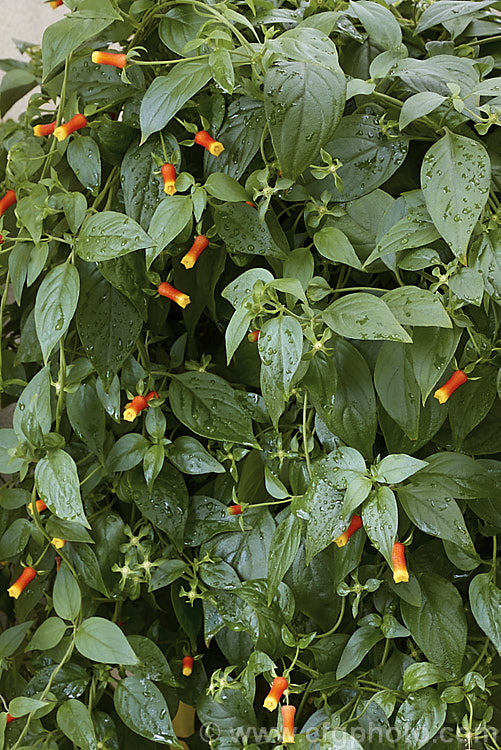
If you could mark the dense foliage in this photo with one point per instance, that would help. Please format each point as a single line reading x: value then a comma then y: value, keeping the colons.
x: 193, y: 511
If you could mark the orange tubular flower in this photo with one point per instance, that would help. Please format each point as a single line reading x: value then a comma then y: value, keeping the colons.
x: 24, y: 579
x: 46, y: 129
x: 400, y: 572
x: 76, y: 123
x: 235, y: 510
x: 250, y: 203
x: 169, y: 176
x: 58, y: 543
x: 187, y: 665
x: 10, y: 718
x: 253, y: 336
x: 355, y: 525
x: 442, y: 394
x: 288, y: 713
x: 167, y: 290
x: 1, y: 239
x: 117, y: 59
x: 41, y: 505
x: 55, y: 4
x: 204, y: 139
x: 7, y: 201
x: 195, y: 251
x: 137, y: 404
x: 278, y: 686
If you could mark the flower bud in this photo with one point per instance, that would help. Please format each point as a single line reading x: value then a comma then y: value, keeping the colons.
x: 187, y: 665
x: 167, y: 290
x: 76, y: 123
x: 278, y: 686
x: 355, y: 525
x: 400, y: 573
x: 253, y: 336
x: 457, y: 378
x: 288, y: 713
x: 195, y: 251
x: 137, y: 404
x: 7, y: 201
x: 204, y: 139
x: 235, y: 510
x: 46, y: 129
x: 169, y: 177
x: 55, y: 4
x: 24, y: 579
x: 116, y: 59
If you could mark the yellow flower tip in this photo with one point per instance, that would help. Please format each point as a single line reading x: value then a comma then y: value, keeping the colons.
x: 400, y: 576
x: 187, y: 671
x: 170, y: 188
x: 130, y: 414
x: 14, y: 591
x: 270, y: 703
x: 183, y: 301
x: 188, y: 263
x: 216, y: 148
x: 58, y: 543
x: 288, y: 737
x: 95, y: 56
x: 441, y: 396
x: 341, y: 540
x: 60, y: 133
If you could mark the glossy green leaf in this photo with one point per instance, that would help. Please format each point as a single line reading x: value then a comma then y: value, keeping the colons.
x: 142, y: 708
x: 57, y: 482
x: 55, y: 305
x: 101, y: 640
x: 110, y: 234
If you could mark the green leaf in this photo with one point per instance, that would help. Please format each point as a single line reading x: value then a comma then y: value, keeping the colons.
x: 152, y: 664
x: 87, y: 416
x: 364, y: 316
x: 455, y: 179
x: 280, y: 347
x: 75, y: 208
x: 166, y: 573
x: 127, y: 452
x: 73, y: 719
x: 283, y: 549
x: 102, y: 308
x: 439, y: 625
x: 419, y: 718
x: 417, y: 307
x: 109, y: 234
x: 33, y: 415
x: 360, y: 643
x: 208, y: 406
x: 64, y: 36
x: 47, y: 635
x: 335, y: 245
x: 58, y: 485
x: 179, y: 26
x: 485, y: 603
x: 168, y: 94
x: 168, y: 221
x: 85, y: 160
x: 380, y: 517
x: 368, y: 156
x: 142, y: 188
x: 431, y: 352
x: 55, y: 305
x: 397, y: 387
x: 379, y: 22
x: 101, y: 640
x: 189, y: 456
x: 11, y: 639
x: 475, y: 402
x: 322, y: 507
x: 412, y: 230
x: 128, y: 274
x: 142, y: 707
x: 243, y: 285
x: 239, y: 227
x: 397, y: 467
x: 14, y: 85
x: 67, y: 598
x: 448, y: 10
x: 468, y: 285
x: 22, y: 706
x: 419, y: 105
x: 15, y: 538
x: 240, y: 134
x: 421, y: 675
x: 304, y: 101
x: 438, y: 516
x: 221, y: 68
x: 225, y: 188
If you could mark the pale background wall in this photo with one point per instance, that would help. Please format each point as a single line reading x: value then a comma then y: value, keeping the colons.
x: 25, y: 20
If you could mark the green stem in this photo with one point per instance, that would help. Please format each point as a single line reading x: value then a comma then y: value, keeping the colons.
x: 2, y: 310
x: 338, y: 621
x: 60, y: 384
x: 305, y: 435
